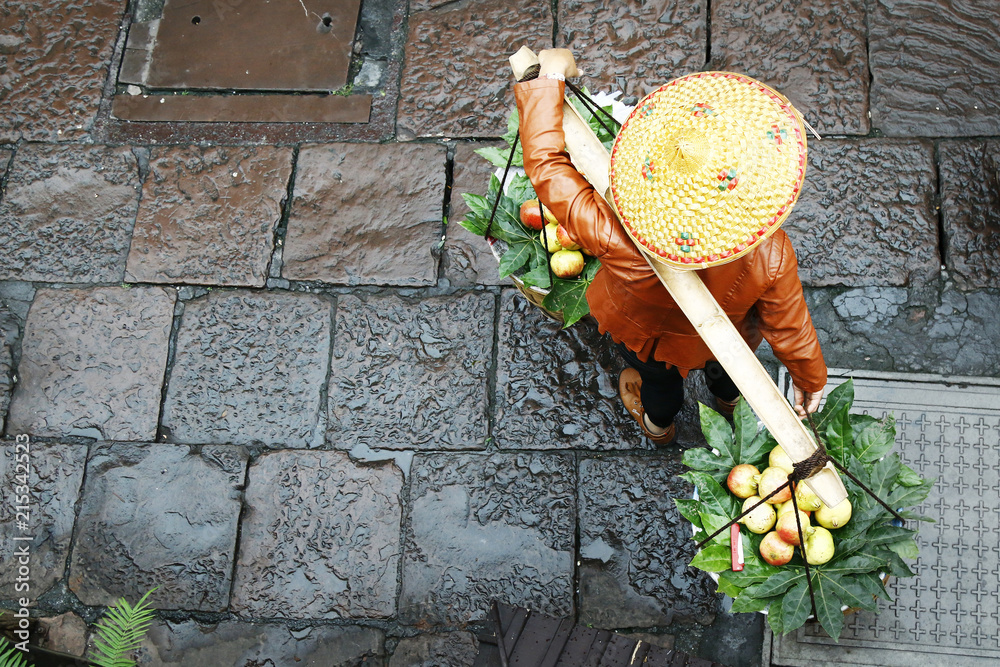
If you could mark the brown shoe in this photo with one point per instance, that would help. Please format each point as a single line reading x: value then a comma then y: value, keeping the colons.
x: 726, y: 408
x: 629, y: 384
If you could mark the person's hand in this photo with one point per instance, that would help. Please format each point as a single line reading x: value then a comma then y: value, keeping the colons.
x: 557, y: 61
x: 806, y: 402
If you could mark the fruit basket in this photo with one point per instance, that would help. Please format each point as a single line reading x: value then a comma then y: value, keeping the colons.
x: 524, y: 236
x: 850, y: 548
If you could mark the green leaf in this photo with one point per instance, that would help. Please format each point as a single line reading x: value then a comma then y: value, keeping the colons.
x: 744, y: 432
x: 777, y: 584
x: 10, y: 655
x: 796, y: 606
x: 511, y: 135
x: 494, y: 155
x: 828, y: 607
x: 713, y: 558
x: 908, y: 496
x: 908, y: 476
x: 850, y: 591
x: 897, y: 566
x: 745, y: 604
x: 718, y: 433
x: 883, y: 474
x: 854, y: 565
x: 714, y: 498
x: 689, y: 508
x: 700, y: 458
x: 872, y: 584
x: 591, y: 268
x: 838, y: 435
x: 516, y: 256
x: 905, y: 548
x: 520, y: 190
x: 569, y: 297
x: 728, y: 587
x: 711, y: 523
x: 120, y: 631
x: 875, y: 440
x: 837, y: 404
x: 756, y: 453
x: 775, y: 618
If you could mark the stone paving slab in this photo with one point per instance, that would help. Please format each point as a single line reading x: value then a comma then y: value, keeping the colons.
x: 250, y: 368
x: 513, y: 517
x: 466, y: 258
x: 55, y: 478
x: 910, y: 330
x: 235, y: 644
x: 65, y: 632
x: 411, y: 375
x: 54, y: 64
x: 633, y: 46
x: 68, y: 212
x: 866, y: 215
x: 813, y: 53
x: 456, y: 78
x: 948, y: 428
x: 9, y: 330
x: 933, y: 65
x: 970, y: 207
x: 320, y: 538
x: 92, y: 363
x: 208, y: 215
x: 447, y: 649
x: 365, y: 214
x: 158, y: 515
x: 5, y: 156
x: 635, y: 547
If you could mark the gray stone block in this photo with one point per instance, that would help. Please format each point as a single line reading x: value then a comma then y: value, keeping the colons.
x: 55, y: 478
x: 365, y: 214
x: 9, y: 331
x: 320, y: 538
x: 208, y: 215
x: 448, y: 649
x: 485, y: 527
x: 250, y: 368
x: 158, y: 515
x: 635, y: 546
x: 92, y: 363
x: 970, y: 207
x: 411, y: 375
x: 67, y: 213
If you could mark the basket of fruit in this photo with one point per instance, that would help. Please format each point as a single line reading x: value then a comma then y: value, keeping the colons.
x: 848, y: 550
x: 530, y: 246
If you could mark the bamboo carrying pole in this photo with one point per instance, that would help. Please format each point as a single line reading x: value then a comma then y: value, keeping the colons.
x: 592, y: 160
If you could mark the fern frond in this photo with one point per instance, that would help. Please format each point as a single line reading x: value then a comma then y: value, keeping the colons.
x: 120, y: 631
x: 10, y: 656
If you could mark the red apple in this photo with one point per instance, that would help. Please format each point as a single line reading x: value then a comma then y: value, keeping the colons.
x: 567, y: 263
x: 775, y: 550
x: 742, y: 480
x: 564, y: 240
x: 788, y: 529
x: 531, y: 214
x: 770, y: 480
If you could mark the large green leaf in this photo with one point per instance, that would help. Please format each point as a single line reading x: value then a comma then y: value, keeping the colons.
x: 875, y: 440
x: 713, y: 558
x: 568, y: 297
x: 520, y: 190
x: 747, y: 604
x: 838, y: 403
x: 511, y: 135
x: 883, y: 474
x: 853, y: 565
x: 777, y: 584
x: 744, y: 433
x: 718, y: 433
x: 495, y: 155
x: 716, y: 500
x: 775, y: 618
x: 689, y: 509
x: 908, y: 496
x: 712, y: 523
x: 838, y: 435
x: 906, y: 548
x: 872, y: 584
x: 728, y: 587
x: 516, y: 256
x: 828, y: 606
x: 908, y: 476
x: 849, y: 590
x: 796, y: 606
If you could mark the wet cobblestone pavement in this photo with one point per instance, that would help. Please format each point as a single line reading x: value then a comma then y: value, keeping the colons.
x: 264, y: 369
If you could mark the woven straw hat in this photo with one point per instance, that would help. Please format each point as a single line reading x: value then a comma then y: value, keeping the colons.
x: 706, y: 167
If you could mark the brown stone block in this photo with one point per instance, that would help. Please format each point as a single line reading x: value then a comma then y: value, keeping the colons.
x: 92, y: 363
x: 814, y: 53
x: 456, y: 79
x: 208, y: 215
x: 866, y: 214
x: 634, y: 46
x: 67, y: 213
x: 365, y: 214
x: 53, y: 62
x: 467, y: 259
x: 970, y: 205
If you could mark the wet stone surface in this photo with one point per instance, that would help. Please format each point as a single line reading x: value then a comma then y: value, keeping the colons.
x: 92, y: 363
x: 366, y: 214
x: 8, y: 339
x: 208, y: 215
x: 923, y: 330
x: 453, y: 649
x: 633, y: 46
x: 236, y: 644
x: 866, y: 215
x: 513, y: 514
x: 813, y: 53
x: 65, y: 632
x: 411, y: 375
x: 556, y: 388
x: 320, y: 538
x: 933, y: 65
x: 56, y: 475
x: 158, y: 515
x: 53, y: 65
x: 970, y: 205
x: 467, y: 259
x: 68, y: 212
x: 449, y: 88
x: 635, y: 546
x: 250, y: 368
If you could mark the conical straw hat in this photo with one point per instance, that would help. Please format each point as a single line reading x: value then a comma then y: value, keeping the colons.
x: 706, y: 167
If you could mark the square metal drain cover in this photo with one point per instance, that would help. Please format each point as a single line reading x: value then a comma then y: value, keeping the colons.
x: 949, y: 614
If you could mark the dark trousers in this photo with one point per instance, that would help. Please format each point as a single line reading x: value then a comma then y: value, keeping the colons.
x: 662, y: 391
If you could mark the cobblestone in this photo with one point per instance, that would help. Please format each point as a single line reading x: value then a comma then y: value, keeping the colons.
x: 970, y: 205
x: 158, y: 515
x: 451, y: 649
x: 9, y: 330
x: 56, y: 475
x: 92, y: 363
x: 208, y: 215
x: 385, y: 345
x: 68, y: 212
x: 366, y: 214
x: 467, y: 259
x: 513, y: 514
x: 320, y: 538
x: 250, y: 368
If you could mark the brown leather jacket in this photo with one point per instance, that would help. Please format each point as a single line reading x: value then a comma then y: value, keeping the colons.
x: 760, y: 292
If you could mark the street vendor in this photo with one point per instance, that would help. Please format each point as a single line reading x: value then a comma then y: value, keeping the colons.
x: 760, y: 291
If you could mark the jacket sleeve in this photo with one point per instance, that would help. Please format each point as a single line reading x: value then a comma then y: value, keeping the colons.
x: 585, y: 215
x: 787, y: 326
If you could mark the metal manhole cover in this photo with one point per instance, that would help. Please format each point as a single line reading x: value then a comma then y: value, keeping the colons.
x: 949, y: 614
